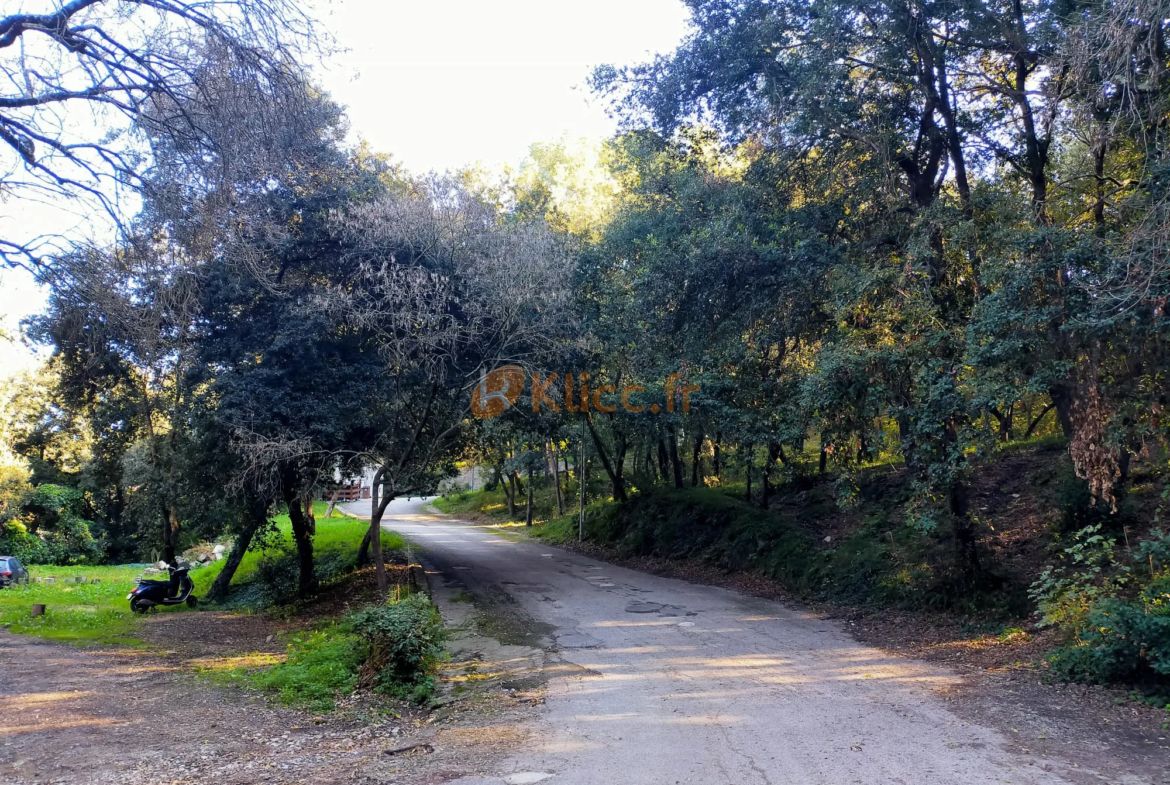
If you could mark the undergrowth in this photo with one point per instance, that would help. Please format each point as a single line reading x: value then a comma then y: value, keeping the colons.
x: 394, y: 649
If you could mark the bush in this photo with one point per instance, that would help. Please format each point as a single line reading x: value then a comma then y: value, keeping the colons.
x: 65, y: 536
x: 404, y: 646
x: 16, y: 540
x: 278, y: 578
x: 393, y: 648
x: 1123, y: 641
x: 1115, y: 618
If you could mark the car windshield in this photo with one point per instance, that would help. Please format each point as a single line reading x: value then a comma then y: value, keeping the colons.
x: 3, y: 565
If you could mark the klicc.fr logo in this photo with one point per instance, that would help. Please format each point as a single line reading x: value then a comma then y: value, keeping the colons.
x: 499, y: 389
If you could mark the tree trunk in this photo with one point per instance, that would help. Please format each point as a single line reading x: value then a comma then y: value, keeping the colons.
x: 662, y: 459
x: 716, y: 463
x: 374, y: 533
x: 528, y: 504
x: 1062, y: 398
x: 747, y: 495
x: 556, y: 462
x: 676, y: 464
x: 696, y: 461
x: 257, y: 516
x: 614, y: 469
x: 302, y: 530
x: 510, y: 493
x: 170, y: 534
x: 824, y: 459
x: 363, y: 557
x: 773, y: 452
x: 966, y: 553
x: 565, y: 458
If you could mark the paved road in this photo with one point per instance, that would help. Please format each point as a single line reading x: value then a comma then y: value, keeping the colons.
x: 668, y: 682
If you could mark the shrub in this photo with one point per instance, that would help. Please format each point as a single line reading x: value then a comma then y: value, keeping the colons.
x: 393, y: 648
x: 405, y: 646
x: 66, y: 537
x: 1115, y: 618
x: 1122, y: 641
x: 278, y: 576
x: 16, y: 540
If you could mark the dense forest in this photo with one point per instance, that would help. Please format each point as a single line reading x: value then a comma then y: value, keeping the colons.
x: 883, y: 247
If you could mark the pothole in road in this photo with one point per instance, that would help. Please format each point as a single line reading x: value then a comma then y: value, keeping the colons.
x: 644, y: 607
x: 656, y: 607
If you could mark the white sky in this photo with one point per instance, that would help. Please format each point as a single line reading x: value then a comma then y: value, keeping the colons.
x: 447, y: 83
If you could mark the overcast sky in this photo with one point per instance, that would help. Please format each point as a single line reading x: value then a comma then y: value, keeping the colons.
x: 447, y: 83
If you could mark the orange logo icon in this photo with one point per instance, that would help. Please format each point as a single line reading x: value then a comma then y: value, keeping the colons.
x: 497, y: 391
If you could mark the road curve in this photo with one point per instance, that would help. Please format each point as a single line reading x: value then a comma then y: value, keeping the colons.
x: 685, y: 683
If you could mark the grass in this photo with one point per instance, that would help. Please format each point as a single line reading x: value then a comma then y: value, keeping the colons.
x: 494, y: 504
x: 322, y: 664
x: 82, y: 613
x: 98, y: 613
x: 396, y: 646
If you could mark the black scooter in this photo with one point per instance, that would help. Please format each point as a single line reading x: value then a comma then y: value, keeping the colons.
x: 149, y: 594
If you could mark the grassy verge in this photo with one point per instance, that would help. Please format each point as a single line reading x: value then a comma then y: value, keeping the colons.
x: 393, y: 649
x: 878, y: 563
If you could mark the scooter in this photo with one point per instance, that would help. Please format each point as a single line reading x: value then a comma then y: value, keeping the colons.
x: 149, y: 594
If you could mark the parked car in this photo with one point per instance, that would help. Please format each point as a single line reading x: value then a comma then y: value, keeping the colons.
x: 12, y: 571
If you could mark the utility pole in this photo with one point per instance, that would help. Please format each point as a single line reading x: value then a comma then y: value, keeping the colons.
x: 581, y: 478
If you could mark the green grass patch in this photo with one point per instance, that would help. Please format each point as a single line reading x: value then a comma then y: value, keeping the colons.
x: 322, y: 664
x: 394, y: 648
x: 82, y: 613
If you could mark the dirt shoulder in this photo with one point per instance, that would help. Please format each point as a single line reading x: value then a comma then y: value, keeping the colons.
x: 145, y: 715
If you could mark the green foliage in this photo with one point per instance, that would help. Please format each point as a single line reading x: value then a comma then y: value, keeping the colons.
x: 1088, y: 570
x: 405, y: 645
x: 1115, y: 617
x: 1122, y: 641
x: 16, y: 540
x: 395, y: 648
x: 52, y: 529
x: 321, y: 665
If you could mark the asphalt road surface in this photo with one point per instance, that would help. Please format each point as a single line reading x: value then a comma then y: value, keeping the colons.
x: 656, y: 680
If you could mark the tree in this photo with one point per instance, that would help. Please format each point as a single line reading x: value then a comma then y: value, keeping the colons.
x: 447, y: 289
x: 85, y: 82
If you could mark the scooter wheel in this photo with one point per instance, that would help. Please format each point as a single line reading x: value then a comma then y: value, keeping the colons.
x: 192, y: 601
x: 138, y: 607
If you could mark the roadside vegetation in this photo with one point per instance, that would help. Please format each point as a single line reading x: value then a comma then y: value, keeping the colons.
x: 393, y: 649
